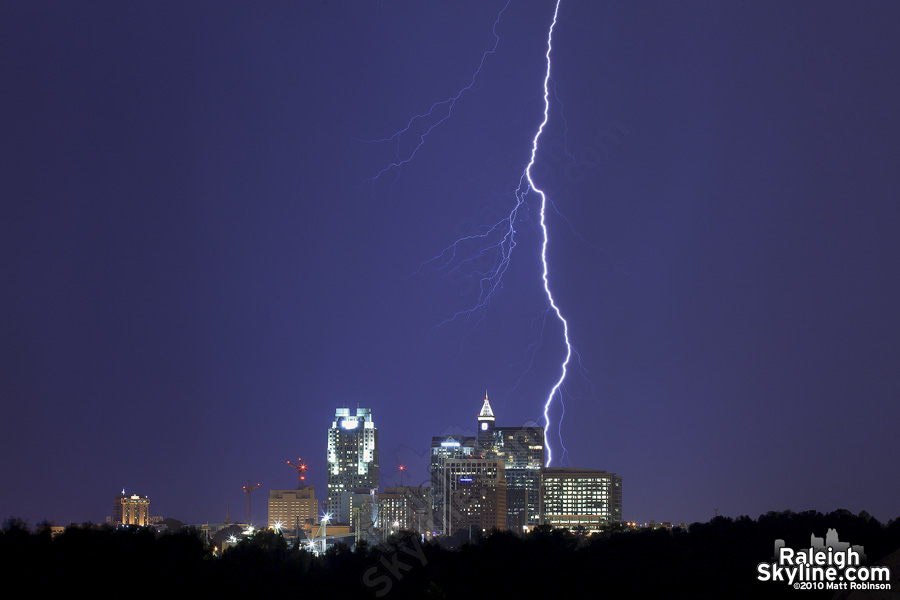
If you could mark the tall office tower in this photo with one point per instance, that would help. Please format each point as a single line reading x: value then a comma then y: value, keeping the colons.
x: 474, y: 495
x: 522, y: 450
x: 405, y: 508
x: 131, y: 509
x: 585, y: 499
x: 352, y: 456
x: 485, y: 425
x: 292, y: 508
x: 444, y: 448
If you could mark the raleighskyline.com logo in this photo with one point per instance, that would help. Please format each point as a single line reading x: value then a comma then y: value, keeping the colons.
x: 828, y: 564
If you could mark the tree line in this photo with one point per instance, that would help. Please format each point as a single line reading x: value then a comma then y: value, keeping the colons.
x: 715, y: 559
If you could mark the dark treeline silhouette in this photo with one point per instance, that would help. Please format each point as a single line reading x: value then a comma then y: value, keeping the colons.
x: 717, y: 559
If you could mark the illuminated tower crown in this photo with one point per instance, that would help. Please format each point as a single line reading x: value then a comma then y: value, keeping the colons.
x: 486, y: 416
x: 486, y: 428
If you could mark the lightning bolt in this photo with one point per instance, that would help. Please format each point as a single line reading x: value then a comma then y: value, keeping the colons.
x: 447, y: 104
x: 556, y: 389
x: 486, y: 253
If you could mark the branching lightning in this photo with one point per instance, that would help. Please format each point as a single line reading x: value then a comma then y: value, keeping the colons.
x: 486, y: 254
x: 447, y: 103
x: 545, y: 274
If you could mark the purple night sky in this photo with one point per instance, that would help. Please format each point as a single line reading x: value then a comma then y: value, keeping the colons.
x: 195, y: 273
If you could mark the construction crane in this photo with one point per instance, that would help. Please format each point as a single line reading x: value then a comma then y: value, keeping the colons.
x: 249, y: 489
x: 301, y: 469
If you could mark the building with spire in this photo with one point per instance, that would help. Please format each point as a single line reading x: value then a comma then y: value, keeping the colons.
x: 522, y: 451
x: 352, y: 457
x: 485, y: 425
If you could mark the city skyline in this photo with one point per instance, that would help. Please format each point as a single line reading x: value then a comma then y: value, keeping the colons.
x: 196, y: 271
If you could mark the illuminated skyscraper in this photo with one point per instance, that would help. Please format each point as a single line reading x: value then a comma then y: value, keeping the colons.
x: 517, y: 454
x: 522, y: 451
x: 131, y: 509
x: 485, y: 424
x: 352, y: 456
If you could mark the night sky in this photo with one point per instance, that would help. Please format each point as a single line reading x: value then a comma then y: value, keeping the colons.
x: 196, y: 272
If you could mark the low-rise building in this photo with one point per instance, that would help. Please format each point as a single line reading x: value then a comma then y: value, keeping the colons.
x: 586, y: 500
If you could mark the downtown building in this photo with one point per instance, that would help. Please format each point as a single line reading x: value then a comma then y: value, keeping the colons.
x: 522, y: 451
x: 474, y: 496
x: 352, y: 460
x: 293, y: 508
x: 517, y: 452
x: 585, y: 500
x: 444, y: 448
x: 131, y: 509
x: 405, y: 508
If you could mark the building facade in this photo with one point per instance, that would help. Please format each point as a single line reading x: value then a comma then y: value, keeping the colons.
x: 444, y: 448
x: 405, y: 508
x: 474, y: 495
x: 131, y: 509
x: 352, y: 456
x: 293, y: 508
x: 585, y: 500
x: 522, y: 451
